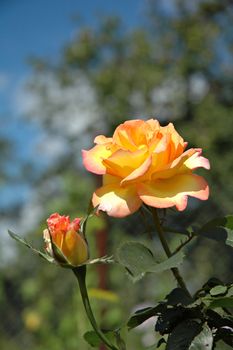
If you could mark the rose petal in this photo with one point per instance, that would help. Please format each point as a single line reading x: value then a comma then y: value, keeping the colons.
x: 197, y: 161
x: 153, y: 123
x: 57, y: 222
x: 160, y: 157
x: 124, y: 140
x: 188, y: 160
x: 173, y: 191
x: 162, y: 145
x: 110, y: 179
x: 101, y: 139
x: 122, y: 163
x: 92, y: 159
x: 117, y: 201
x: 176, y: 140
x: 74, y: 248
x: 139, y: 172
x: 131, y: 134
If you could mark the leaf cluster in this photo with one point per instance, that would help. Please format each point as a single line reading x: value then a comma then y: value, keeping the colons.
x: 188, y: 323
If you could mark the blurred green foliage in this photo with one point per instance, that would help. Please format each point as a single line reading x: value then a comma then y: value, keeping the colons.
x: 177, y: 67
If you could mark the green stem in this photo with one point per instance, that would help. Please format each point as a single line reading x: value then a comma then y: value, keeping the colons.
x: 167, y: 250
x: 80, y: 273
x: 145, y: 221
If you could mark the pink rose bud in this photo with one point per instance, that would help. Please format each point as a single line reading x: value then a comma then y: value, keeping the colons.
x: 64, y: 242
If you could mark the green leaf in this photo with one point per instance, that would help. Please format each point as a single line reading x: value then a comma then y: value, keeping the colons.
x: 218, y: 290
x: 59, y: 256
x: 28, y: 245
x: 212, y: 282
x: 179, y: 230
x: 203, y: 341
x: 182, y: 335
x: 170, y: 317
x: 219, y: 229
x: 230, y: 291
x: 142, y: 315
x: 138, y: 259
x: 173, y: 261
x: 222, y: 346
x: 92, y: 339
x: 178, y: 296
x: 221, y: 302
x: 135, y: 257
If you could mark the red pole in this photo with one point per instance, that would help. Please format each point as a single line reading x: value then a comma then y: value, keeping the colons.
x: 102, y: 269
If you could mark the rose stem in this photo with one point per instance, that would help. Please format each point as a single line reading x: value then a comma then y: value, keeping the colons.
x: 167, y: 250
x: 80, y: 273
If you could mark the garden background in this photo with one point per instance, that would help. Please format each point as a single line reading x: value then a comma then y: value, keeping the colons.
x: 70, y: 71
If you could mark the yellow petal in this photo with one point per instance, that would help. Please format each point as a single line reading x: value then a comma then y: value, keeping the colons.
x: 189, y: 160
x: 122, y: 163
x: 197, y: 161
x: 117, y: 201
x: 173, y: 191
x: 124, y: 140
x: 110, y: 179
x: 153, y: 123
x: 139, y: 172
x: 131, y: 134
x: 93, y: 159
x: 74, y: 248
x: 176, y: 140
x: 101, y: 139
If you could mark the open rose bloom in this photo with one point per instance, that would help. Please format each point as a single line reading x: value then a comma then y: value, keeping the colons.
x: 145, y: 163
x: 70, y: 247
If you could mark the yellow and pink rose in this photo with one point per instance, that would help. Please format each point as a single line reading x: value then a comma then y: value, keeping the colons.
x: 144, y: 162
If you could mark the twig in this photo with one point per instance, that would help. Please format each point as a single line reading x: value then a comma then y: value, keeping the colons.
x: 166, y: 248
x: 183, y: 244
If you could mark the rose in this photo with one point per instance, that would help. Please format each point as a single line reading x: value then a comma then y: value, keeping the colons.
x: 63, y: 242
x: 145, y: 163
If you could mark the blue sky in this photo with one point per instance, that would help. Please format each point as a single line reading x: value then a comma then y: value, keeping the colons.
x: 40, y: 28
x: 32, y: 27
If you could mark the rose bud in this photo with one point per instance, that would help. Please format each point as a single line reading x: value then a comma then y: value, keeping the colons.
x: 63, y: 241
